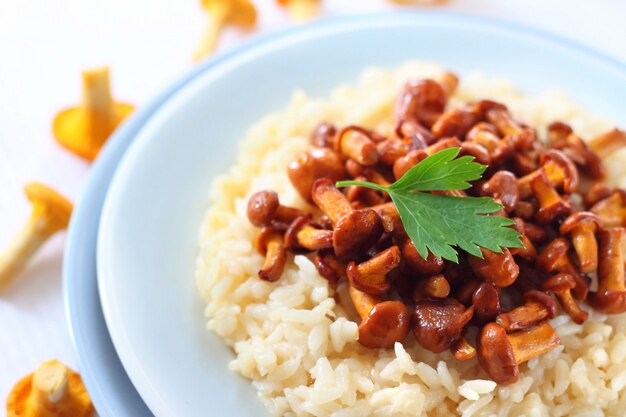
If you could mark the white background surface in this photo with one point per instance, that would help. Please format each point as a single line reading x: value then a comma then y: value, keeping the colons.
x: 45, y: 44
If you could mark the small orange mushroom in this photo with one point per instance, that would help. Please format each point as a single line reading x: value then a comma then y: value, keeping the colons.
x: 500, y: 354
x: 611, y: 294
x: 84, y: 129
x: 582, y: 227
x: 561, y: 285
x: 240, y: 13
x: 552, y: 206
x: 264, y: 208
x: 437, y: 324
x: 271, y: 244
x: 462, y: 350
x: 51, y: 213
x: 498, y: 268
x: 356, y: 143
x: 371, y: 276
x: 538, y: 306
x: 555, y: 258
x: 301, y: 10
x: 605, y: 144
x: 383, y: 323
x: 52, y: 390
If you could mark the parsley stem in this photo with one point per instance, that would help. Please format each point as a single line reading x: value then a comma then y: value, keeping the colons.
x: 366, y: 184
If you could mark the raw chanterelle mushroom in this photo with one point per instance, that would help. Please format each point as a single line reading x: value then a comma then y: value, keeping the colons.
x: 84, y: 129
x: 301, y: 10
x: 223, y: 12
x: 52, y: 390
x: 51, y: 213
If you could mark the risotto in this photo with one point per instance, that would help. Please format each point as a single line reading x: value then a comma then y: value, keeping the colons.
x: 297, y: 338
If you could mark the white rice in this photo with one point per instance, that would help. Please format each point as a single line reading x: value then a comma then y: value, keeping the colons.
x: 297, y: 340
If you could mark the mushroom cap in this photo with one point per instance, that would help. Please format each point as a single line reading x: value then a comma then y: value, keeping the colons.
x: 608, y: 301
x: 420, y: 100
x: 356, y: 232
x: 386, y: 324
x: 499, y: 268
x: 238, y: 12
x: 486, y: 302
x: 262, y: 207
x: 73, y: 130
x: 575, y: 219
x: 456, y: 122
x: 49, y: 203
x: 571, y: 181
x: 323, y: 135
x: 312, y: 165
x: 502, y: 185
x: 429, y: 266
x: 559, y: 282
x: 478, y: 151
x: 495, y: 354
x: 50, y: 379
x: 611, y: 210
x: 437, y: 324
x: 552, y: 255
x: 544, y: 299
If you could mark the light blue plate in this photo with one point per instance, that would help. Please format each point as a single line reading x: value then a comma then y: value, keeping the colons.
x: 154, y: 208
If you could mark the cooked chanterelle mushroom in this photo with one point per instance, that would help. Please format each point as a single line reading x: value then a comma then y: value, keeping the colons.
x: 361, y: 236
x: 241, y: 13
x: 85, y: 128
x: 51, y: 213
x: 52, y: 390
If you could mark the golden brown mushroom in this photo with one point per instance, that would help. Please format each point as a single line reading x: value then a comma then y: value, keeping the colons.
x: 383, y: 323
x: 500, y: 354
x: 611, y: 294
x: 241, y: 13
x: 611, y: 210
x: 498, y: 268
x: 323, y: 136
x: 528, y: 252
x: 52, y: 390
x: 264, y: 208
x: 434, y: 286
x: 608, y: 142
x: 455, y: 123
x: 414, y: 261
x: 329, y: 266
x: 462, y: 350
x: 437, y: 324
x: 371, y: 276
x: 312, y: 165
x: 552, y: 206
x: 486, y: 302
x: 555, y: 258
x: 355, y: 230
x: 84, y: 129
x: 538, y: 306
x: 503, y: 186
x: 582, y: 226
x: 51, y: 213
x: 356, y: 143
x: 422, y: 101
x: 271, y: 244
x: 304, y: 235
x: 561, y: 285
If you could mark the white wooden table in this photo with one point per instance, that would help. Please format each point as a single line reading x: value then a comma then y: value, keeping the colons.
x: 44, y: 45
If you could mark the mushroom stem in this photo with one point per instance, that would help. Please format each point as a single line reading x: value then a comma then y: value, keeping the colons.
x: 371, y: 276
x: 539, y: 306
x: 561, y: 285
x: 21, y: 248
x: 211, y: 34
x: 314, y: 239
x: 611, y: 272
x: 98, y: 105
x: 533, y: 342
x: 552, y: 206
x: 383, y: 323
x: 272, y: 244
x: 50, y: 384
x: 355, y: 143
x: 51, y: 213
x: 330, y: 200
x: 586, y: 246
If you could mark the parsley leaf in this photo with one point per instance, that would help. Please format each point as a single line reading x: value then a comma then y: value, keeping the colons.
x: 438, y: 222
x: 441, y: 172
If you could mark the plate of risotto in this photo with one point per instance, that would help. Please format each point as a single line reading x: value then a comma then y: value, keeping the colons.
x: 392, y: 215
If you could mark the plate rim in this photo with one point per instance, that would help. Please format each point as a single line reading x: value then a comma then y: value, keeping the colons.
x: 338, y: 23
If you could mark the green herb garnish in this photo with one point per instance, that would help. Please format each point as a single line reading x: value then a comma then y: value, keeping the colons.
x: 438, y: 222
